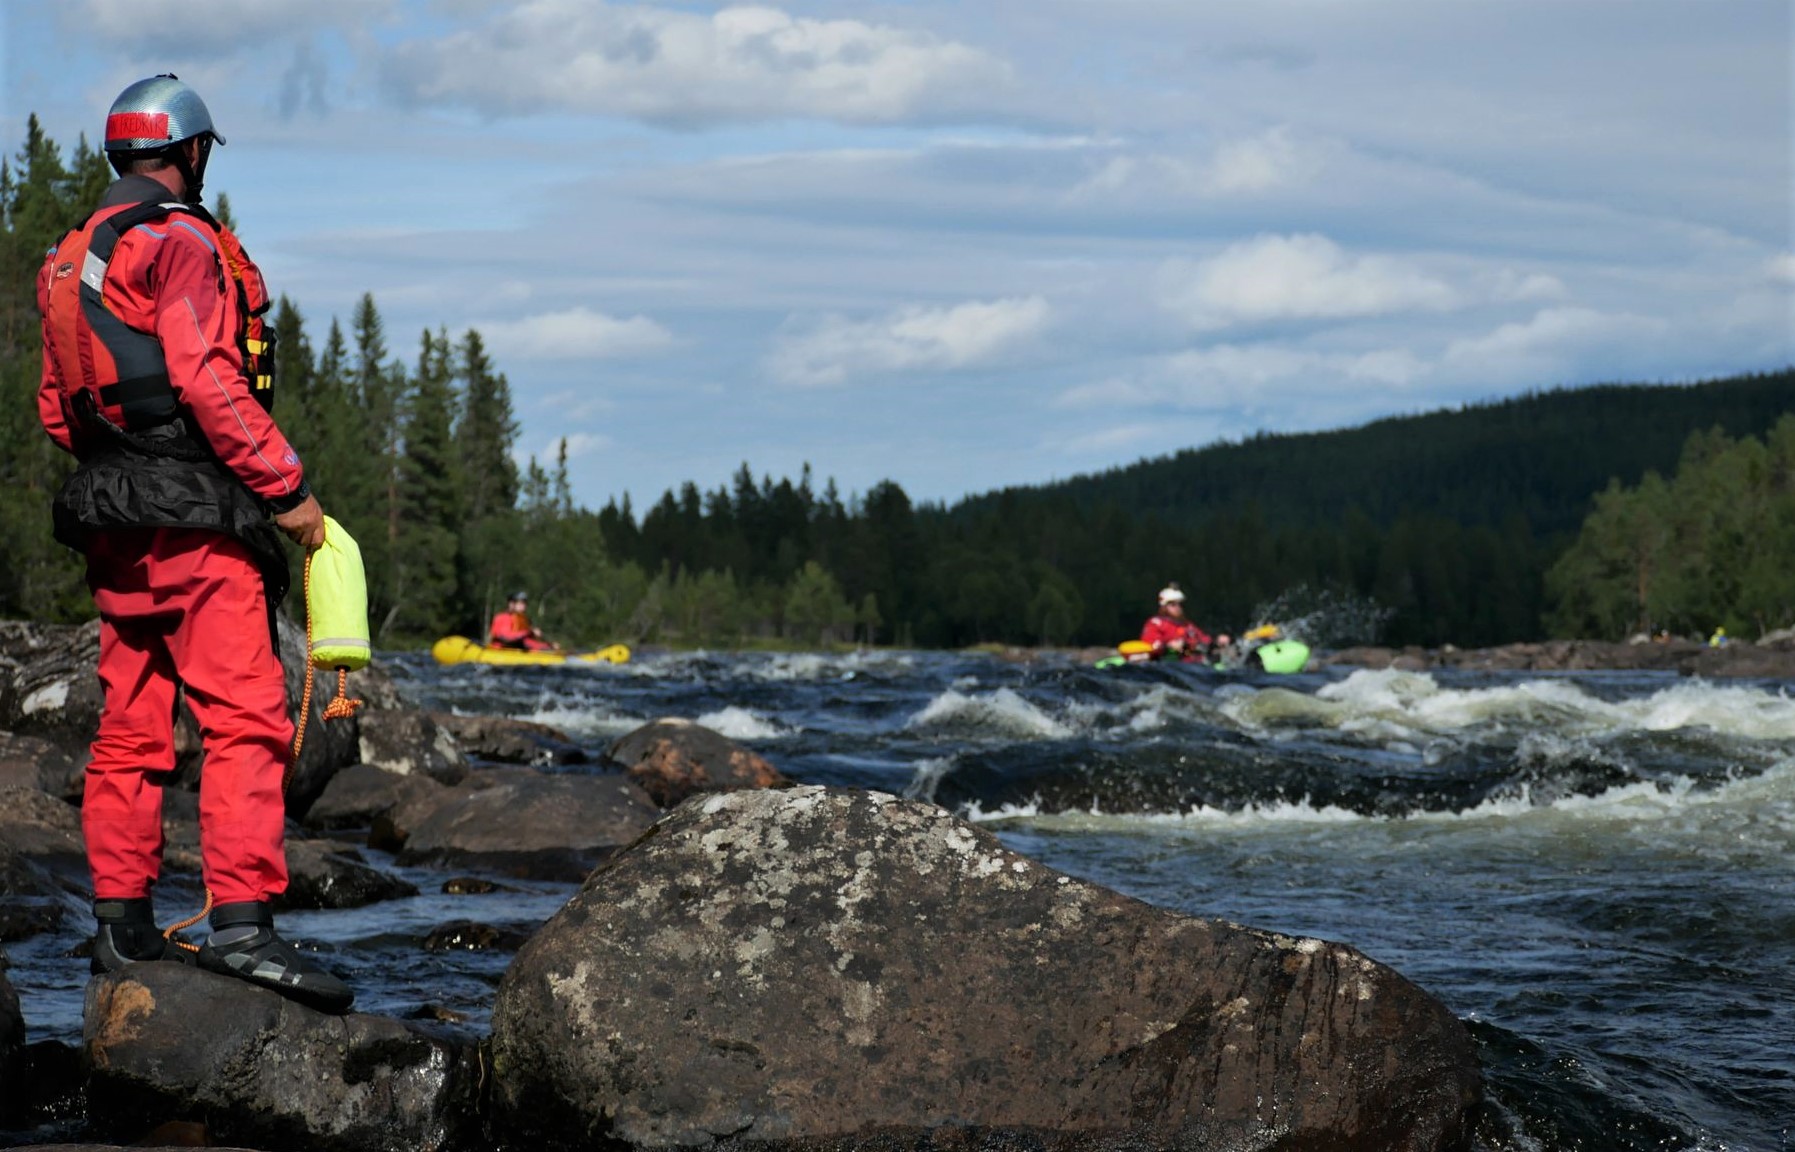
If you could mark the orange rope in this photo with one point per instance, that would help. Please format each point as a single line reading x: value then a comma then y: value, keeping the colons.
x: 339, y: 707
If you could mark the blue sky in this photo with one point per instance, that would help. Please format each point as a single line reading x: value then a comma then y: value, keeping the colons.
x: 968, y: 244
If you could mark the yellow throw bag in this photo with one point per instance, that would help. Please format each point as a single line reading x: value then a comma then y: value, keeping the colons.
x: 336, y: 602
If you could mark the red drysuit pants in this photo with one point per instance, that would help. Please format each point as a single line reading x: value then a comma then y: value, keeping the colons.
x: 180, y: 604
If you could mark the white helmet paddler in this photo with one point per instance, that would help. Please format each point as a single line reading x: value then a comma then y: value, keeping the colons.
x: 152, y: 118
x: 1170, y: 594
x: 152, y: 114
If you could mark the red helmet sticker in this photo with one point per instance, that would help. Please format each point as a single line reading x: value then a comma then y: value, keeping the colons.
x: 137, y: 126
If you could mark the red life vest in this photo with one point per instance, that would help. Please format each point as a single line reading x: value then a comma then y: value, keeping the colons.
x: 120, y: 368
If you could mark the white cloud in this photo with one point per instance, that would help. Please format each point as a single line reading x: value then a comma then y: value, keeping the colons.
x: 579, y: 444
x: 1108, y: 441
x: 575, y: 334
x: 1249, y: 166
x: 1549, y: 336
x: 668, y: 66
x: 1252, y: 377
x: 217, y: 25
x: 1295, y: 277
x: 1782, y: 267
x: 834, y: 349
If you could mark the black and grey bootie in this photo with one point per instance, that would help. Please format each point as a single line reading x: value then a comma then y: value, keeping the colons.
x: 244, y: 944
x: 127, y: 934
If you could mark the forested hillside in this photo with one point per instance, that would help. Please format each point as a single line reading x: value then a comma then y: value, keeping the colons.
x: 1540, y: 456
x: 1427, y: 529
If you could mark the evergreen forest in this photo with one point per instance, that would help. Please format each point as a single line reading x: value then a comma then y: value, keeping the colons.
x: 1595, y: 512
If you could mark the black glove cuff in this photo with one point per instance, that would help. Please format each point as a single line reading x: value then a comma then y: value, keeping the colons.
x: 292, y: 500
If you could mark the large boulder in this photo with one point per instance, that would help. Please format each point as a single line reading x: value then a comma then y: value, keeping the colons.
x: 168, y: 1042
x: 408, y: 742
x: 48, y: 683
x: 360, y: 795
x: 523, y: 823
x: 50, y: 687
x: 673, y: 759
x: 505, y: 740
x: 58, y: 768
x: 326, y: 874
x: 831, y: 970
x: 328, y: 745
x: 43, y: 862
x: 39, y: 827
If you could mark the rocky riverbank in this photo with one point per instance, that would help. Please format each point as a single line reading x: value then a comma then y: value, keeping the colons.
x: 1774, y: 659
x: 1771, y: 658
x: 746, y: 963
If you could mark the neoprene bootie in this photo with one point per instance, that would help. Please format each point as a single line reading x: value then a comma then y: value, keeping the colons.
x: 244, y: 944
x: 127, y: 934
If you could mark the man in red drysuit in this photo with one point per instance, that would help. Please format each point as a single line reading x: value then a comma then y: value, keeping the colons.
x: 1171, y: 635
x: 512, y: 628
x: 157, y: 376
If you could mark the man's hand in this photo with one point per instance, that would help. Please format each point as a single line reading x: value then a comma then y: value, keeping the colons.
x: 303, y: 524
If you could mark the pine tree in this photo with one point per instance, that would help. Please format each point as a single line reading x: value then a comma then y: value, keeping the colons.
x: 487, y: 432
x: 428, y: 497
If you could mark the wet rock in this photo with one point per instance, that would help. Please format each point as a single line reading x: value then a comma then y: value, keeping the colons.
x: 408, y: 742
x: 27, y: 916
x: 526, y: 824
x: 167, y: 1042
x: 1685, y: 657
x: 38, y: 827
x: 502, y: 740
x: 358, y: 796
x: 829, y: 969
x: 50, y: 687
x: 1752, y: 661
x: 326, y: 874
x: 34, y: 762
x: 13, y: 1083
x: 471, y: 886
x: 673, y: 759
x: 45, y: 1086
x: 472, y: 936
x: 329, y: 745
x: 48, y: 682
x: 43, y: 871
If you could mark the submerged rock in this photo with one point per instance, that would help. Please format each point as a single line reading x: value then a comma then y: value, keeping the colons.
x: 829, y: 969
x: 168, y: 1042
x: 522, y: 823
x: 673, y: 759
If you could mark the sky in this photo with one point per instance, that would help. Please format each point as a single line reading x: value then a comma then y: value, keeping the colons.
x: 966, y: 244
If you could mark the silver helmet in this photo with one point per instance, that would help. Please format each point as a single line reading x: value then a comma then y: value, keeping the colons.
x: 155, y: 113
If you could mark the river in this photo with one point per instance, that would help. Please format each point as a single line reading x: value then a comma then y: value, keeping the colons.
x: 1595, y: 871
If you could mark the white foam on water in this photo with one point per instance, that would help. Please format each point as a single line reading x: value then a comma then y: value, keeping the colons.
x: 928, y: 776
x: 1750, y: 814
x: 584, y: 721
x: 1095, y: 819
x: 1147, y: 711
x: 741, y: 724
x: 1386, y: 705
x: 1002, y: 714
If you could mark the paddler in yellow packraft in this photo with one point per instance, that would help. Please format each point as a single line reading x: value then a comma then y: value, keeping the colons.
x: 512, y: 628
x: 1170, y: 636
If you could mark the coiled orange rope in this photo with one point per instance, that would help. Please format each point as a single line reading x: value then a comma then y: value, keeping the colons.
x: 340, y: 706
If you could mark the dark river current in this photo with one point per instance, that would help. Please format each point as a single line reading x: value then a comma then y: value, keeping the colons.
x: 1596, y: 872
